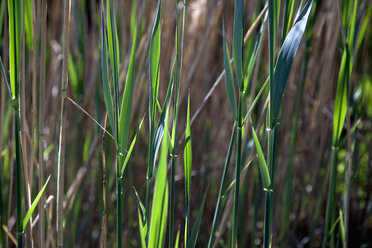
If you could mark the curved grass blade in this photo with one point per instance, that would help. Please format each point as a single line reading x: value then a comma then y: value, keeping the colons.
x: 195, y: 229
x: 284, y: 63
x: 238, y: 42
x: 34, y: 204
x: 261, y: 162
x: 129, y: 153
x: 105, y: 79
x: 126, y: 105
x: 228, y: 77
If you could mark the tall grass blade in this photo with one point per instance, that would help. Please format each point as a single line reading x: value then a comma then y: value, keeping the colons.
x: 195, y: 230
x: 188, y: 168
x: 287, y: 17
x: 285, y: 61
x: 28, y: 24
x: 159, y: 208
x: 228, y: 77
x: 105, y: 78
x: 126, y: 105
x: 222, y: 188
x: 5, y: 78
x: 15, y: 14
x: 238, y: 42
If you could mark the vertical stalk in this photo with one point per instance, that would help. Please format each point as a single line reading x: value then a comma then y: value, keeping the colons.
x: 61, y: 153
x: 18, y: 174
x: 237, y: 171
x: 331, y: 197
x: 41, y: 120
x: 269, y: 193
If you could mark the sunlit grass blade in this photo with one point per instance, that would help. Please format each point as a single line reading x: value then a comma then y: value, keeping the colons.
x: 187, y: 168
x: 15, y: 14
x: 142, y: 219
x: 126, y: 105
x: 176, y: 244
x: 228, y: 77
x: 261, y: 162
x: 28, y: 24
x: 238, y: 41
x: 129, y: 153
x: 195, y: 230
x: 340, y: 108
x: 287, y: 17
x: 159, y: 208
x: 105, y: 78
x: 34, y: 204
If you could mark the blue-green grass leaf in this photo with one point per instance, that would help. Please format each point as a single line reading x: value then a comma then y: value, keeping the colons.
x: 238, y: 42
x: 284, y: 63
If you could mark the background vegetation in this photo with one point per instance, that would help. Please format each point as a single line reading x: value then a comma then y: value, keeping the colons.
x: 127, y: 123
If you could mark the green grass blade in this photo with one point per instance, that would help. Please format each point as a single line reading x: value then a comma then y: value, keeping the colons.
x: 161, y: 125
x: 127, y: 102
x: 228, y: 77
x: 154, y: 61
x: 129, y: 153
x: 238, y: 42
x: 142, y: 219
x: 340, y: 109
x: 222, y: 188
x: 255, y: 100
x: 15, y: 15
x: 261, y: 162
x: 196, y: 227
x: 253, y: 58
x: 112, y: 35
x: 105, y: 79
x: 188, y: 155
x: 160, y: 199
x: 5, y: 78
x: 28, y: 24
x: 34, y: 204
x: 176, y: 244
x: 284, y: 63
x: 287, y: 17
